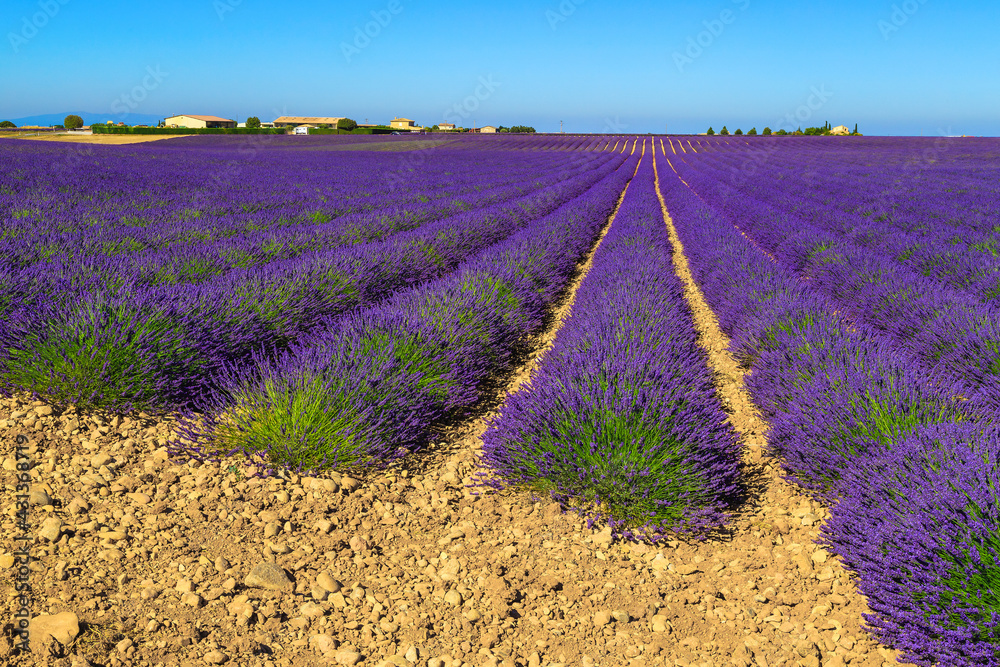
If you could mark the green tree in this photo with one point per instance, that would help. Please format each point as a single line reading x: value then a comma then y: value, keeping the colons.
x: 725, y: 131
x: 855, y: 128
x: 711, y: 132
x: 782, y: 133
x: 523, y: 129
x: 6, y: 125
x: 253, y: 123
x: 766, y: 132
x: 346, y: 124
x: 752, y: 132
x: 739, y: 132
x: 73, y: 122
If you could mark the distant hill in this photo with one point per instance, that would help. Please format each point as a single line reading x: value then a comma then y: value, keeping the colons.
x: 89, y: 118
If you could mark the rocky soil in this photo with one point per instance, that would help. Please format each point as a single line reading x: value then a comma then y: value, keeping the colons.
x: 162, y: 563
x: 143, y: 560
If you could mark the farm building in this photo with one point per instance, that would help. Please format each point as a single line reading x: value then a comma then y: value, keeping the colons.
x: 446, y: 126
x: 191, y: 121
x: 488, y: 129
x: 403, y: 124
x: 840, y: 129
x: 315, y: 121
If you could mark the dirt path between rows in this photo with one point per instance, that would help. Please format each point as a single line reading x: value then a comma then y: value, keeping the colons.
x: 140, y: 560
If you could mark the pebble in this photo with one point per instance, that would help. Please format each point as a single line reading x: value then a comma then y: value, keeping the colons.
x: 349, y: 484
x: 62, y: 627
x: 453, y: 597
x: 51, y: 529
x: 348, y: 658
x: 269, y: 576
x: 138, y: 498
x: 311, y: 610
x: 602, y: 618
x: 39, y: 498
x: 328, y: 583
x: 216, y: 657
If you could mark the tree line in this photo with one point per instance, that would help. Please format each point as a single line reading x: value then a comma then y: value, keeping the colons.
x: 826, y: 129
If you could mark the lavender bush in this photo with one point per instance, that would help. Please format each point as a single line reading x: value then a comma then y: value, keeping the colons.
x: 920, y: 525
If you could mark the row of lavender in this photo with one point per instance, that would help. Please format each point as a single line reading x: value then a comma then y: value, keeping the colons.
x: 622, y: 420
x: 115, y: 255
x: 948, y: 332
x: 941, y: 220
x: 911, y: 467
x: 74, y: 334
x: 282, y: 202
x: 373, y: 384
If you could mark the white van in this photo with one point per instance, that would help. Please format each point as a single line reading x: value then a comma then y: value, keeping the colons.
x: 301, y: 130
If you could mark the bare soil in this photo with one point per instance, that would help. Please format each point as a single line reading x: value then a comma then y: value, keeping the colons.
x: 105, y: 139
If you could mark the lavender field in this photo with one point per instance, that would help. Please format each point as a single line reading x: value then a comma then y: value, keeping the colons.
x: 320, y: 303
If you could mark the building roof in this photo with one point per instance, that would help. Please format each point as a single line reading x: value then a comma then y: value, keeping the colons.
x: 205, y: 118
x: 408, y: 120
x: 446, y: 124
x: 318, y: 120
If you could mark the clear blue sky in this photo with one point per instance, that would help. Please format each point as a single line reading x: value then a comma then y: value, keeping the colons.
x: 926, y: 66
